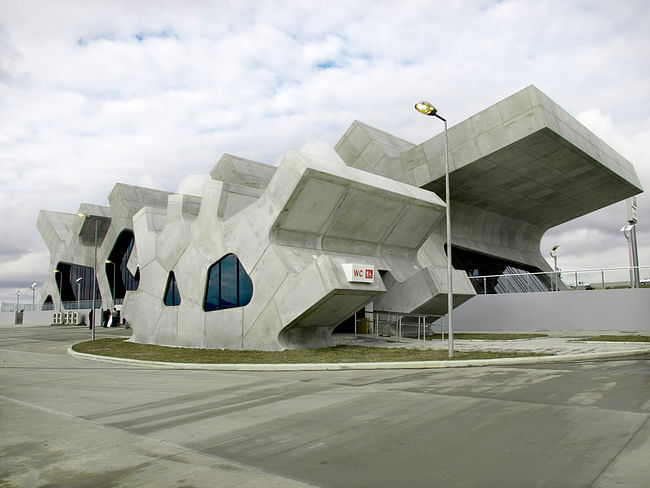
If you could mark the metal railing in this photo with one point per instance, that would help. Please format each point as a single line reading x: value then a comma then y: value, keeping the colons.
x: 54, y: 307
x: 579, y: 279
x: 397, y: 325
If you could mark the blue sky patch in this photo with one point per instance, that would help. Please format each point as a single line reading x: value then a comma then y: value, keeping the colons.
x: 329, y: 64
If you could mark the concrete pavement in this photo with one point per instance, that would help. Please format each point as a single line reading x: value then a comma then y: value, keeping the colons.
x: 78, y: 423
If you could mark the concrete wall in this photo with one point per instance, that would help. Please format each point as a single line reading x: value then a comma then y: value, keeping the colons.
x: 599, y: 310
x: 30, y: 319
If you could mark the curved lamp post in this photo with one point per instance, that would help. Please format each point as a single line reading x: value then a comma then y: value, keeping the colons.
x: 108, y: 261
x: 553, y: 254
x: 60, y: 287
x: 33, y: 287
x: 427, y: 109
x: 94, y: 281
x: 78, y: 280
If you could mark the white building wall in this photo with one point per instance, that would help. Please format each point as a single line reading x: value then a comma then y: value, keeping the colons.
x: 626, y: 310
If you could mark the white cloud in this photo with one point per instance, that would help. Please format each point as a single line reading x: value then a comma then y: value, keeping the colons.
x: 152, y: 93
x: 192, y: 184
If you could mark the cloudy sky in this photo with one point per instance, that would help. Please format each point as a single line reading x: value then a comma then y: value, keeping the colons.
x: 152, y: 93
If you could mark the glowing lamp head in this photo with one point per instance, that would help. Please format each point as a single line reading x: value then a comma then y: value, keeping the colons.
x: 426, y: 108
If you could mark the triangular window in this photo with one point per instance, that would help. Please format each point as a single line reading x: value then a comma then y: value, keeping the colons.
x: 172, y: 296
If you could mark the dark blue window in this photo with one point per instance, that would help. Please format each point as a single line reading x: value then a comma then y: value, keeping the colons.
x: 72, y: 288
x: 228, y: 286
x: 172, y: 296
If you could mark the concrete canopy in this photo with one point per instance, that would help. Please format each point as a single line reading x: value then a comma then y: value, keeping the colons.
x: 517, y: 168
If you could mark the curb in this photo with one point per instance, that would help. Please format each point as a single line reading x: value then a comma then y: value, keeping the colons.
x: 364, y: 366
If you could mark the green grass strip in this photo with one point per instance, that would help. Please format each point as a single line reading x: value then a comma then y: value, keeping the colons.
x: 617, y: 338
x: 120, y: 348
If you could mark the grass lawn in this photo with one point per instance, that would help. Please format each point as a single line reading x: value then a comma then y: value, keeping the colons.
x: 617, y: 338
x: 118, y: 347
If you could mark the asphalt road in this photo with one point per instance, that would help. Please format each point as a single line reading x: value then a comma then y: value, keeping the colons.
x: 72, y: 422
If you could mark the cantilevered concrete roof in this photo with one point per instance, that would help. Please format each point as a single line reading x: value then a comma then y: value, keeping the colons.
x: 524, y: 157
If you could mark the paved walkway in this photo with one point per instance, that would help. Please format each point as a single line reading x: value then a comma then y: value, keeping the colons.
x: 554, y: 344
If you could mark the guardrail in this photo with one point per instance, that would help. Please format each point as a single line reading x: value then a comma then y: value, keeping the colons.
x: 72, y: 305
x: 393, y: 325
x: 579, y: 279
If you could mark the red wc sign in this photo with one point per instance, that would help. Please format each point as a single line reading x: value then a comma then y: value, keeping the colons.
x: 359, y: 273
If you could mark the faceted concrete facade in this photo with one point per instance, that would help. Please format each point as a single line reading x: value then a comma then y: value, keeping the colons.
x: 517, y: 169
x: 71, y: 238
x: 292, y: 230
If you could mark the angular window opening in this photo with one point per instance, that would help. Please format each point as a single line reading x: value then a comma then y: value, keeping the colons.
x: 228, y: 285
x: 71, y: 290
x: 479, y: 264
x: 172, y: 296
x: 119, y: 277
x: 48, y: 304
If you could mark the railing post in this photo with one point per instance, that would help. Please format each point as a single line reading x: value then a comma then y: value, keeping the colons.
x: 527, y: 282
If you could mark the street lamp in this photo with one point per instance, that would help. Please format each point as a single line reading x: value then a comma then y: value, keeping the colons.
x: 629, y: 231
x: 17, y: 301
x: 94, y: 281
x: 60, y: 287
x: 78, y: 280
x: 427, y: 109
x: 108, y: 261
x: 553, y: 254
x: 630, y: 235
x: 33, y: 287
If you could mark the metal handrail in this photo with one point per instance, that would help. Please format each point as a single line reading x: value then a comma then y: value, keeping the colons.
x: 586, y: 270
x: 51, y: 307
x: 558, y: 275
x: 394, y: 323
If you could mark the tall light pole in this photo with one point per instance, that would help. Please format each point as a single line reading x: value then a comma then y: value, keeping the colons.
x: 60, y: 287
x: 78, y: 280
x: 108, y: 261
x: 33, y: 287
x: 427, y: 109
x: 630, y: 235
x: 553, y: 254
x: 17, y: 301
x: 94, y: 280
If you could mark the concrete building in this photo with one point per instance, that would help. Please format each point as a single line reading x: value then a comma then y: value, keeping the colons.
x: 278, y: 257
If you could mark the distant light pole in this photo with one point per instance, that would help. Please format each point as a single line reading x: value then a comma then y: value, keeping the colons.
x: 629, y: 231
x: 94, y: 281
x: 78, y: 280
x: 427, y: 109
x: 553, y: 254
x: 33, y: 287
x: 108, y: 261
x: 60, y: 287
x: 17, y: 301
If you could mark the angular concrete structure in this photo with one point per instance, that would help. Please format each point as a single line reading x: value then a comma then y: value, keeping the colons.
x: 274, y: 258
